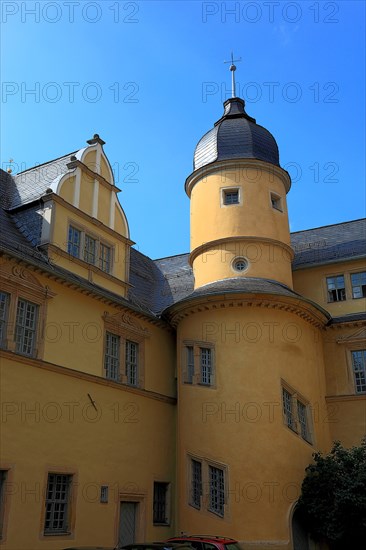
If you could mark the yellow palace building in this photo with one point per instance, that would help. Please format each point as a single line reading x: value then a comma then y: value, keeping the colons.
x: 144, y: 398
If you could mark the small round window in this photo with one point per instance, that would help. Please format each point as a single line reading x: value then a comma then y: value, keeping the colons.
x: 240, y: 264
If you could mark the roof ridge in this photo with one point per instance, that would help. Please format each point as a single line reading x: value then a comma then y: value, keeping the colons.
x: 329, y: 225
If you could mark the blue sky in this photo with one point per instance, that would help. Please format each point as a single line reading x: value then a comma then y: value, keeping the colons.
x: 149, y: 78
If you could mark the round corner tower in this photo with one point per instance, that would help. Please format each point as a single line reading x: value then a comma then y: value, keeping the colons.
x: 249, y: 350
x: 239, y: 221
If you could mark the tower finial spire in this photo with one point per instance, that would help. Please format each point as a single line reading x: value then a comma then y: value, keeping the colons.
x: 233, y: 69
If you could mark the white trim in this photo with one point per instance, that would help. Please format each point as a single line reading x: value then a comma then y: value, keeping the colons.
x: 76, y: 199
x: 112, y: 210
x: 95, y: 198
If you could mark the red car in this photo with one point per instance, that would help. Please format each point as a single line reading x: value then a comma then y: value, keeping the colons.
x: 208, y: 542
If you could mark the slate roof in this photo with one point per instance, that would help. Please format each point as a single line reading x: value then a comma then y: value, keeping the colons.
x: 31, y: 184
x: 329, y: 243
x: 235, y: 135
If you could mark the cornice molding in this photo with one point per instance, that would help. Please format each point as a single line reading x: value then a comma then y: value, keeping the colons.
x: 296, y: 306
x: 271, y: 242
x: 93, y: 175
x: 231, y: 164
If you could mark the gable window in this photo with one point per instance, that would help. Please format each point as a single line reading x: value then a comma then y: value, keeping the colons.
x: 230, y: 196
x: 206, y: 365
x: 74, y: 242
x: 57, y: 504
x: 25, y: 327
x: 4, y: 309
x: 336, y: 289
x: 358, y: 281
x: 296, y: 414
x: 160, y: 506
x: 131, y: 363
x: 359, y: 370
x: 105, y: 257
x: 89, y: 249
x: 216, y: 490
x: 196, y: 483
x: 276, y: 202
x: 111, y: 357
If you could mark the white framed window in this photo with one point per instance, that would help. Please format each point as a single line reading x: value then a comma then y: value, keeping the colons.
x: 296, y: 413
x: 4, y: 312
x: 358, y: 281
x: 230, y: 196
x: 89, y: 248
x: 276, y: 202
x: 216, y: 490
x: 112, y: 356
x: 161, y: 508
x: 105, y: 257
x: 196, y: 483
x: 74, y: 242
x: 190, y: 364
x: 336, y: 288
x: 359, y: 369
x: 58, y: 494
x: 26, y: 327
x: 240, y: 264
x: 198, y: 363
x: 132, y: 363
x: 206, y: 366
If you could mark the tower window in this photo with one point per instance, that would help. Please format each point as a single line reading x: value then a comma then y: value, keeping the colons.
x: 230, y: 196
x: 276, y: 202
x: 240, y: 264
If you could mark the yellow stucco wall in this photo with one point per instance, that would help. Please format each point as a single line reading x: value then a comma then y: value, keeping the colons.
x: 311, y: 283
x: 127, y: 443
x: 254, y: 216
x: 239, y: 424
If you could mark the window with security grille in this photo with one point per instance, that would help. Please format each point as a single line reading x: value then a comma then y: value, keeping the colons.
x: 90, y: 246
x: 359, y: 370
x: 288, y: 409
x: 74, y: 242
x: 105, y: 257
x: 4, y: 308
x: 131, y: 363
x: 57, y: 504
x: 25, y: 327
x: 358, y: 281
x: 196, y: 483
x: 206, y: 365
x: 217, y: 490
x: 160, y: 508
x: 190, y: 364
x: 303, y: 421
x: 111, y: 356
x: 231, y: 196
x: 336, y: 289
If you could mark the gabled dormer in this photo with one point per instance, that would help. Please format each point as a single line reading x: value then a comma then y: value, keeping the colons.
x: 72, y: 207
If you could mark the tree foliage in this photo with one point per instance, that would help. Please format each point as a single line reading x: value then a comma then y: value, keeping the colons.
x: 333, y: 497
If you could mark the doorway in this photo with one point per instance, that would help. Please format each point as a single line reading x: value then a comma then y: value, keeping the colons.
x: 127, y: 522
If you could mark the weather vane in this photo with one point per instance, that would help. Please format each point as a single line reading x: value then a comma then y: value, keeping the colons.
x: 233, y: 69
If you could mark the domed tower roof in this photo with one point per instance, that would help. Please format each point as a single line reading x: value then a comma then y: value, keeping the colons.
x: 236, y: 135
